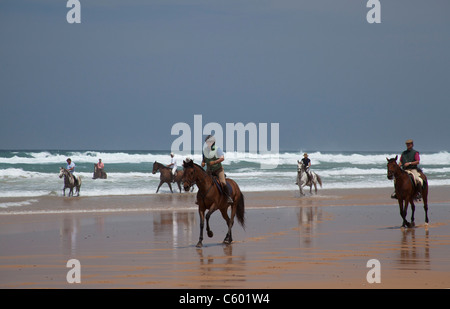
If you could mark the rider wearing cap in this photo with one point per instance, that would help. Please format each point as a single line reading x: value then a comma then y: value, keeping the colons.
x: 307, y: 163
x: 213, y: 157
x: 409, y: 162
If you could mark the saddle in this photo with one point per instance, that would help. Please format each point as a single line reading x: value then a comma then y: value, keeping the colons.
x: 219, y: 186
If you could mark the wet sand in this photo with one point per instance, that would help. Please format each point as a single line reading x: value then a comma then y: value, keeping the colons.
x: 290, y: 242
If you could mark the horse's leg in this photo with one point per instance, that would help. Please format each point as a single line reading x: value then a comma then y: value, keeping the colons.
x: 405, y: 212
x: 179, y: 187
x: 160, y: 184
x: 402, y: 212
x: 425, y: 204
x: 64, y: 191
x: 413, y: 209
x: 228, y: 238
x: 212, y: 209
x: 201, y: 213
x: 170, y: 187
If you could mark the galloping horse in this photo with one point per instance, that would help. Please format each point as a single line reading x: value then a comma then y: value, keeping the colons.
x: 302, y: 179
x: 209, y: 197
x: 166, y: 175
x: 69, y: 181
x: 406, y: 191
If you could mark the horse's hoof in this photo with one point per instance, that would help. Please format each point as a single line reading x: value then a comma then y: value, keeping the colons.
x: 210, y: 234
x: 227, y: 241
x: 199, y: 244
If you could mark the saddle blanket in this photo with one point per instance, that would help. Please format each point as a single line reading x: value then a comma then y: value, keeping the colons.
x: 418, y: 181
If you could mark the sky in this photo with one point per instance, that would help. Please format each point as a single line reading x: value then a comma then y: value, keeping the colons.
x: 124, y: 76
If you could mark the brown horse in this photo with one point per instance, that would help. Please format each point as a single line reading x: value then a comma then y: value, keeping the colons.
x: 209, y: 197
x: 166, y: 176
x: 99, y: 173
x: 406, y: 191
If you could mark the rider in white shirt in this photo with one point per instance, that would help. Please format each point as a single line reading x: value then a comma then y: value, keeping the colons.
x: 173, y: 165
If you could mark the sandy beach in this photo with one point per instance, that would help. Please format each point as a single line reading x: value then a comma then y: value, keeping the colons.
x: 290, y: 242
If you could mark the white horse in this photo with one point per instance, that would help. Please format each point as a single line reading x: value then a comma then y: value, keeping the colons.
x: 69, y: 181
x: 302, y: 178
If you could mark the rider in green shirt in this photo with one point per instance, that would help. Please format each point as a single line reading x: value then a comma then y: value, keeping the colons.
x: 213, y: 157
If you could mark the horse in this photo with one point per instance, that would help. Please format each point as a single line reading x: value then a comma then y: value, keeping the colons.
x: 69, y: 181
x: 406, y: 191
x: 99, y: 173
x: 302, y: 178
x: 209, y: 197
x: 166, y: 175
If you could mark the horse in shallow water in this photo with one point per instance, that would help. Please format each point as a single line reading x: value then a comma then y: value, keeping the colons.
x: 406, y: 191
x: 98, y: 173
x: 69, y: 181
x: 166, y: 176
x: 303, y: 179
x: 209, y: 197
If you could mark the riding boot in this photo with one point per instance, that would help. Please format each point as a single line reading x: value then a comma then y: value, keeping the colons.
x: 227, y: 194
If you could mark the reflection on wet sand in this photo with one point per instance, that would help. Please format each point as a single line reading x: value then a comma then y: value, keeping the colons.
x: 179, y: 224
x: 308, y: 220
x: 414, y: 250
x: 221, y: 270
x: 68, y: 234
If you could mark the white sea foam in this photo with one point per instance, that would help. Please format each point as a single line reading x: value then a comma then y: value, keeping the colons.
x: 30, y: 174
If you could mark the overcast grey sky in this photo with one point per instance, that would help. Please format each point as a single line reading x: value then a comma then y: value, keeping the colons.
x: 132, y: 69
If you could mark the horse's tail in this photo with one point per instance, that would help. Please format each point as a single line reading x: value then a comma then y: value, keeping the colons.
x: 240, y: 210
x: 319, y: 180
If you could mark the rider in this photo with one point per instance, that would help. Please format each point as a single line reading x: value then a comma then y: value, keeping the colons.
x: 173, y: 166
x: 100, y: 167
x: 409, y: 162
x: 71, y: 168
x: 213, y: 157
x: 307, y: 164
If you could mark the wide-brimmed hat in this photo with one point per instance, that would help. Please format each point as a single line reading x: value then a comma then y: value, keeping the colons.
x: 210, y: 139
x: 305, y: 154
x: 409, y: 141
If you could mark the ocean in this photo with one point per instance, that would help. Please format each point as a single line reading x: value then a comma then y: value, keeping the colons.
x: 35, y: 173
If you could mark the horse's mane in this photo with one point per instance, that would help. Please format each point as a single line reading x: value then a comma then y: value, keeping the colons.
x: 161, y: 165
x: 199, y: 166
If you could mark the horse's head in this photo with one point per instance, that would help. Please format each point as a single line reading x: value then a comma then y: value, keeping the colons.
x: 300, y: 166
x: 155, y: 167
x: 189, y: 174
x: 391, y: 167
x: 61, y: 172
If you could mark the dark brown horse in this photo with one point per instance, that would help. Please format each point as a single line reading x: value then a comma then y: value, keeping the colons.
x: 209, y: 197
x: 406, y: 191
x: 166, y: 175
x: 99, y: 173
